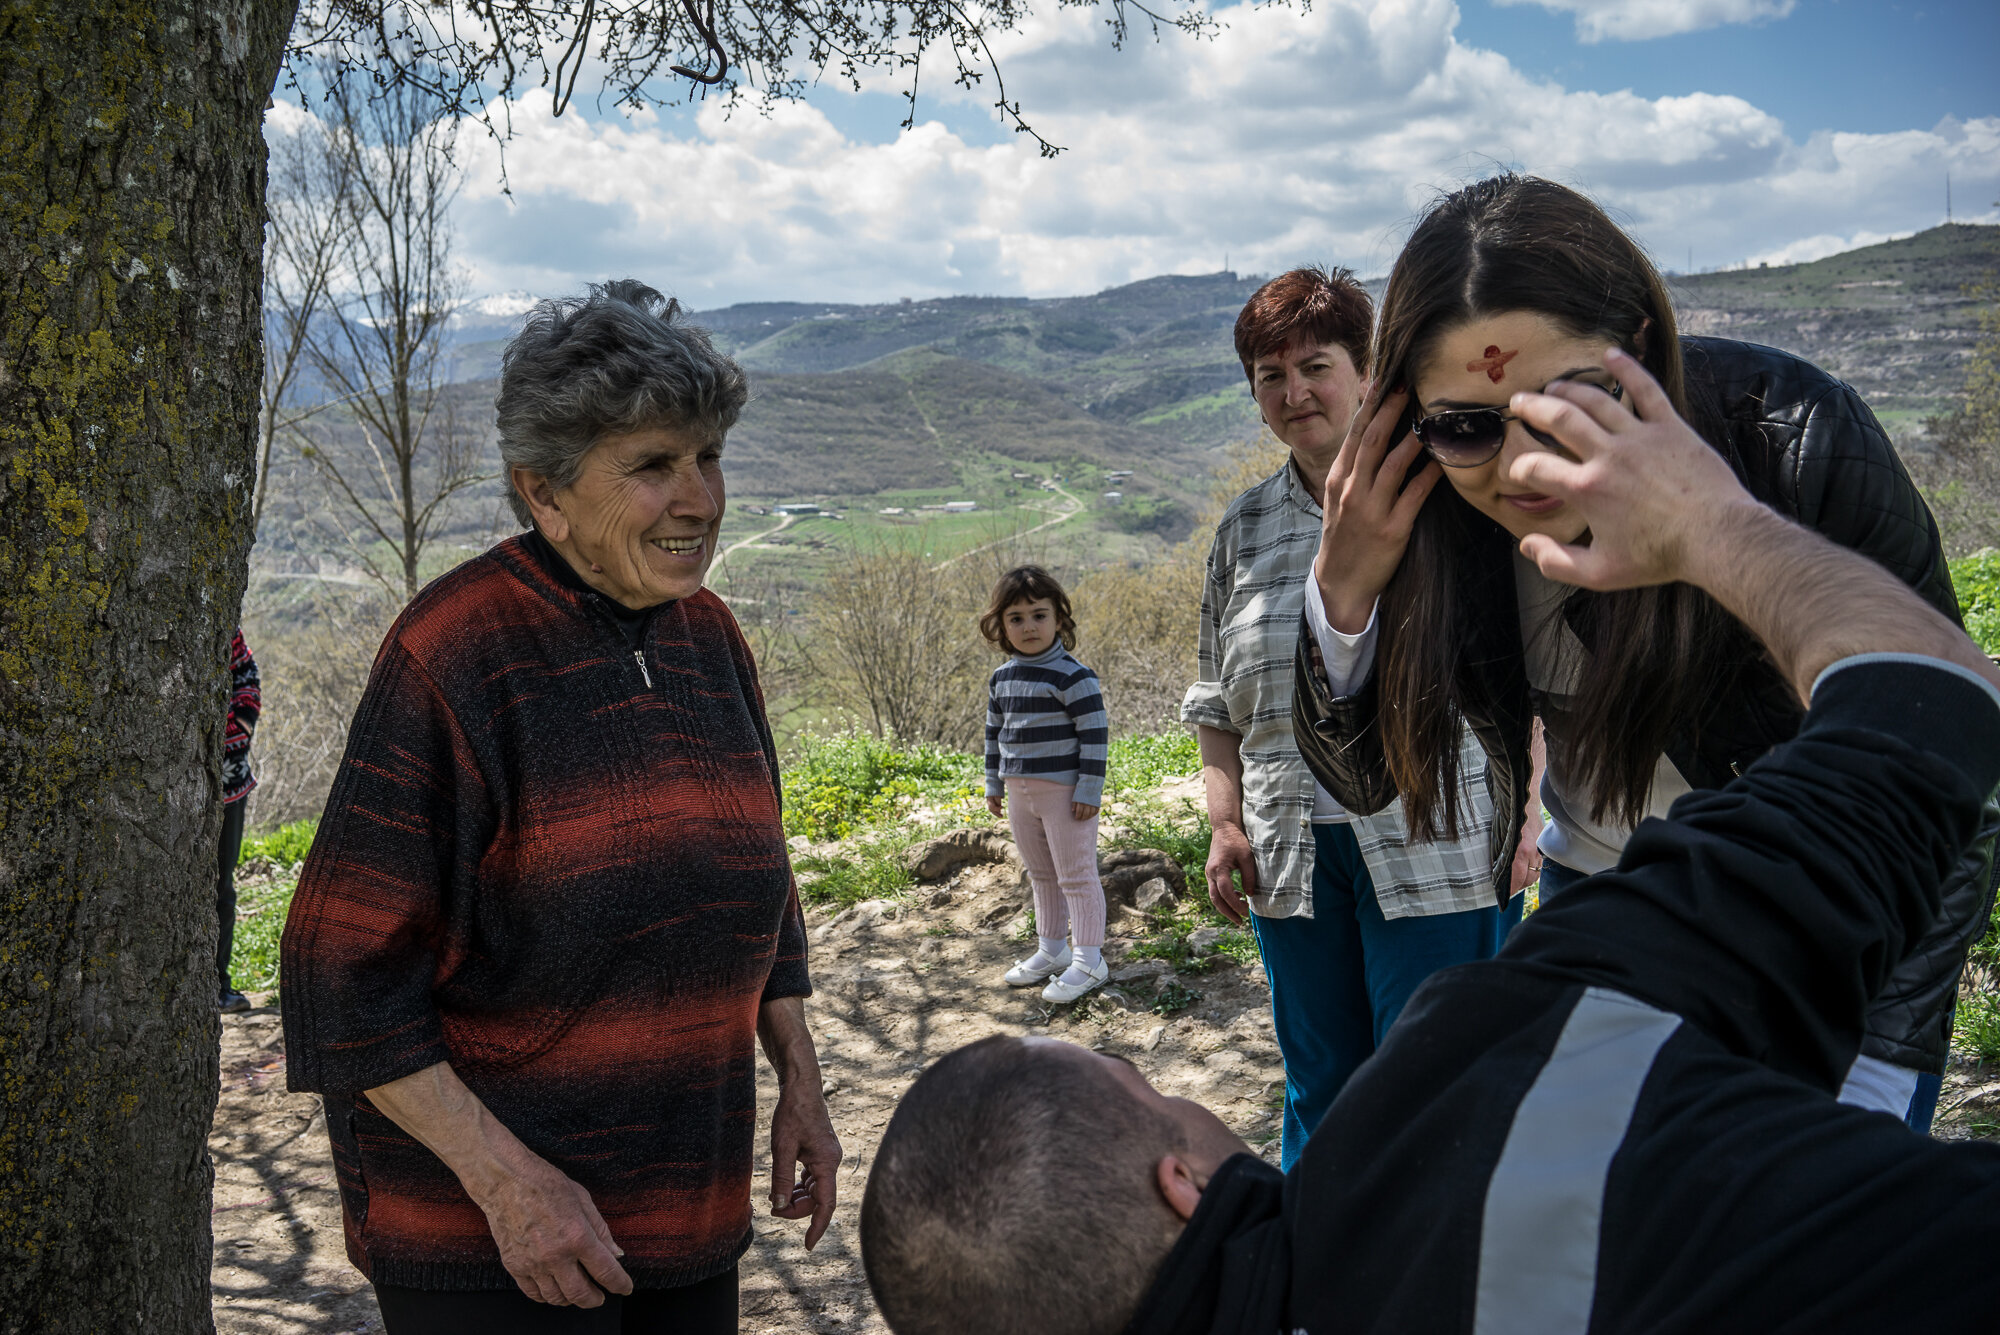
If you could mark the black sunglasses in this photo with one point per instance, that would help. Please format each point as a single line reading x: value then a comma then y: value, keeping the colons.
x: 1468, y: 437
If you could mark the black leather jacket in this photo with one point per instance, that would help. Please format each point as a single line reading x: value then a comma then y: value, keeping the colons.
x: 1807, y: 446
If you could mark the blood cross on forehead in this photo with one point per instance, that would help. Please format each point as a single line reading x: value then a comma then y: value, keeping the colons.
x: 1493, y: 362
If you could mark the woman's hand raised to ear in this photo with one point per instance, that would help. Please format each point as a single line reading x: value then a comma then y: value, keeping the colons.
x: 1369, y: 510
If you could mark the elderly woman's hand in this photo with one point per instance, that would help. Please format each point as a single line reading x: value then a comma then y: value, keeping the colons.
x: 802, y: 1135
x: 551, y: 1237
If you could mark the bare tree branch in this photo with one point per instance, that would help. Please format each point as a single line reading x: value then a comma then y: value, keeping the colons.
x: 774, y: 50
x: 390, y: 298
x: 305, y: 204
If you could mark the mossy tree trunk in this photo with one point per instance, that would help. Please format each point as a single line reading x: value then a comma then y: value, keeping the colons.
x: 131, y: 184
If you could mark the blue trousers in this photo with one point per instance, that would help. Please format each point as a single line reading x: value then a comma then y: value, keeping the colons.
x: 1557, y: 878
x: 1340, y: 978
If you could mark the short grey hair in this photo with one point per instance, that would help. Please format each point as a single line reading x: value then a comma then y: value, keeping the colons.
x: 621, y: 358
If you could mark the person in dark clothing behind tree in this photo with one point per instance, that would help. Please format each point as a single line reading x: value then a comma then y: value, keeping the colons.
x: 549, y: 913
x: 246, y: 702
x: 1625, y: 1121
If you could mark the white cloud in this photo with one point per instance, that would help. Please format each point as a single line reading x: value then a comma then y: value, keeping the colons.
x: 1638, y: 20
x: 1289, y: 137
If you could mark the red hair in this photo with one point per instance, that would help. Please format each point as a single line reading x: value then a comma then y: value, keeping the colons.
x: 1314, y: 306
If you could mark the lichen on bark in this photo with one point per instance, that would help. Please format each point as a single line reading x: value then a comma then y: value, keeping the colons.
x: 131, y: 180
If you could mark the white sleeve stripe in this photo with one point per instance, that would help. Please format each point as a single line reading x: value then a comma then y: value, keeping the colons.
x: 1538, y: 1239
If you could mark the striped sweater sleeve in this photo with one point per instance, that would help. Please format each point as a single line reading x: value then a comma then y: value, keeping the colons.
x: 994, y: 786
x: 1083, y: 700
x: 368, y: 922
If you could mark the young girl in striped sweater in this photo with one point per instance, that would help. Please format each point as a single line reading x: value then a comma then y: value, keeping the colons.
x: 1046, y: 736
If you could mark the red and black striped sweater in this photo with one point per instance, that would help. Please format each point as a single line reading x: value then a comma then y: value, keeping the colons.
x: 571, y: 884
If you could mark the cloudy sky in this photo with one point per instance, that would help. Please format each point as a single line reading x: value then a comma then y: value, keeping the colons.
x: 1719, y: 131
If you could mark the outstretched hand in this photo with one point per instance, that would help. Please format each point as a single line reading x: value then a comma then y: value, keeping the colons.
x: 1651, y: 490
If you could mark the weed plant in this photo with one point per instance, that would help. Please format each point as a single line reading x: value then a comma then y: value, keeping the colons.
x: 261, y: 906
x: 1145, y: 760
x: 1976, y: 1031
x: 839, y: 784
x: 284, y: 847
x: 1174, y: 998
x: 1977, y: 580
x: 1182, y: 834
x: 874, y: 870
x: 1986, y: 950
x: 1169, y: 939
x: 268, y: 873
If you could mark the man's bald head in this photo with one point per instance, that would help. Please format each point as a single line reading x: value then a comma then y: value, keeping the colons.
x: 1018, y: 1187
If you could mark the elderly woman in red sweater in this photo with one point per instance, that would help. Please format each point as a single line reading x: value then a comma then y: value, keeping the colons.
x: 549, y: 910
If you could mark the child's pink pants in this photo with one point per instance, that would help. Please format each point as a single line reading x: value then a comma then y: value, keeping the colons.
x: 1060, y: 853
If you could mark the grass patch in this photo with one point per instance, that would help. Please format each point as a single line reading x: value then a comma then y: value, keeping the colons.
x: 845, y: 782
x: 1144, y: 760
x: 875, y: 870
x: 270, y: 863
x: 1986, y: 950
x: 1174, y: 943
x: 1976, y: 1032
x: 1182, y: 835
x: 261, y: 906
x: 1977, y: 581
x: 285, y: 846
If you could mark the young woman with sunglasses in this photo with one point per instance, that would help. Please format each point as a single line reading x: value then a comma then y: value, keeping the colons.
x: 1423, y: 612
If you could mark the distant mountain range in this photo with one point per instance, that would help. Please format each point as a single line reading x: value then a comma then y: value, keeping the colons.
x: 1142, y: 374
x: 974, y: 398
x: 1146, y: 374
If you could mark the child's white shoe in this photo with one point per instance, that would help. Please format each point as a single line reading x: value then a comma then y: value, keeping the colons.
x: 1038, y: 968
x: 1078, y: 979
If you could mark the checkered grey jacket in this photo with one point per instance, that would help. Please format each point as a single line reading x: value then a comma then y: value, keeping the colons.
x: 1252, y: 614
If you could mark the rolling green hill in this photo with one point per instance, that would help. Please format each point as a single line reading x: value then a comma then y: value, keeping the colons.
x: 1155, y: 354
x: 906, y: 404
x: 922, y: 418
x: 1154, y: 357
x: 1896, y: 320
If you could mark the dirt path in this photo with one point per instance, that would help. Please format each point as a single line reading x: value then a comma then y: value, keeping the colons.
x: 741, y: 543
x: 1075, y: 509
x: 897, y: 987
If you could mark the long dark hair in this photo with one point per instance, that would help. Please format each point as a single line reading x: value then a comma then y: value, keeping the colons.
x: 1654, y: 657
